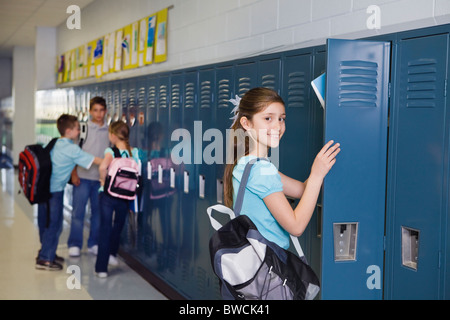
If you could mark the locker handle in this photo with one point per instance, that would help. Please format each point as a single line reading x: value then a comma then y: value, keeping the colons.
x: 186, y: 181
x: 201, y: 186
x: 172, y: 177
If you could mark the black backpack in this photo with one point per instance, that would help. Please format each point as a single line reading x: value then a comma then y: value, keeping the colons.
x: 35, y: 170
x: 250, y: 267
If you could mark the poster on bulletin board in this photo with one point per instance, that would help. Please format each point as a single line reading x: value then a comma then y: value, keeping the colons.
x: 118, y: 50
x: 161, y: 36
x: 126, y: 45
x: 138, y: 44
x: 98, y: 57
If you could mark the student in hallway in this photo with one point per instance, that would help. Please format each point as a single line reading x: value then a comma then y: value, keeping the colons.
x: 113, y: 211
x: 64, y: 156
x: 86, y: 181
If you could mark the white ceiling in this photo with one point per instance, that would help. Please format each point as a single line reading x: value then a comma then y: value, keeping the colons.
x: 19, y: 19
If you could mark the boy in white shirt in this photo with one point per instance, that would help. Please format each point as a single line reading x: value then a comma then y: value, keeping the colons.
x: 86, y: 181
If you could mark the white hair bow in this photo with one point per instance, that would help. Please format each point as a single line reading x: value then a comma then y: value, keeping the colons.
x: 235, y: 110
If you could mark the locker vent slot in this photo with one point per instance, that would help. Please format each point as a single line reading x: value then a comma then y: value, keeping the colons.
x: 268, y: 81
x: 421, y: 87
x: 205, y: 94
x: 116, y: 104
x: 296, y: 90
x: 175, y: 98
x: 132, y: 97
x: 123, y: 98
x: 141, y: 97
x: 244, y: 85
x: 151, y: 97
x: 132, y: 106
x: 358, y: 83
x: 190, y: 95
x: 163, y: 96
x: 224, y: 93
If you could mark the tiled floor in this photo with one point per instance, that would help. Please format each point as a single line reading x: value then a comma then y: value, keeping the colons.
x: 19, y: 244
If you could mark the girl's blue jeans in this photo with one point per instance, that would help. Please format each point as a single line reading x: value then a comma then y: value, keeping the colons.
x: 110, y: 229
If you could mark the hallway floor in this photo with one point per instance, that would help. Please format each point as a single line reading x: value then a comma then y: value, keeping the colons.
x: 19, y: 244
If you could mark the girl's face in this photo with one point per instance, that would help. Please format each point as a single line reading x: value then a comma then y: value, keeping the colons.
x: 268, y: 126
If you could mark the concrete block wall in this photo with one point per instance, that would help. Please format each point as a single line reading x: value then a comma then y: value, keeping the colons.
x: 209, y: 31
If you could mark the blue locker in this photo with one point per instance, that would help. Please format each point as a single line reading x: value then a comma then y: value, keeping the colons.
x: 314, y: 230
x: 354, y: 191
x: 417, y: 207
x: 141, y: 106
x: 181, y: 247
x: 188, y: 186
x: 269, y: 73
x: 246, y: 73
x: 109, y: 103
x: 224, y: 91
x: 132, y: 111
x: 147, y: 219
x: 205, y: 158
x: 123, y: 85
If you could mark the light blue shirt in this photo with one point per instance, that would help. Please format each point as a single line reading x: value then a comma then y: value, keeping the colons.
x: 263, y: 181
x: 65, y: 155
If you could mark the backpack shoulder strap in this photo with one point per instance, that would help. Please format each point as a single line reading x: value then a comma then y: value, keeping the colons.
x: 243, y: 184
x: 116, y: 152
x: 51, y: 144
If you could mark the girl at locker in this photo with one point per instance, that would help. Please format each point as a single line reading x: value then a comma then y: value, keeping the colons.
x: 260, y: 114
x: 110, y: 229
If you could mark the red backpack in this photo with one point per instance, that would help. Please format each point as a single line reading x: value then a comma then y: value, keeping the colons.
x: 35, y: 169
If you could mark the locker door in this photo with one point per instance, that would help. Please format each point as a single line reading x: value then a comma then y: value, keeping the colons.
x: 224, y: 91
x: 148, y: 224
x: 417, y: 170
x: 205, y: 178
x: 109, y: 103
x: 141, y: 101
x: 246, y: 76
x: 354, y: 190
x: 132, y: 111
x: 165, y: 241
x: 295, y: 142
x: 124, y: 101
x: 269, y: 73
x: 115, y: 107
x: 188, y: 186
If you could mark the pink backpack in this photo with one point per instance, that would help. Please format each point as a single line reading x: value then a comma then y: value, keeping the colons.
x: 122, y: 179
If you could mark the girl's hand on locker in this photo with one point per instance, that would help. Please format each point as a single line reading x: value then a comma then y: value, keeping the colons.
x: 325, y: 160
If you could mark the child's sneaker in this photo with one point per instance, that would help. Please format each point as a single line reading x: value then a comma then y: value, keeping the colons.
x: 74, y: 252
x: 101, y: 274
x: 93, y: 249
x: 48, y: 265
x: 113, y: 261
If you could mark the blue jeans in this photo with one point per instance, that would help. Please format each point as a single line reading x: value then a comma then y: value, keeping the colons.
x: 88, y: 189
x: 110, y: 229
x: 49, y: 235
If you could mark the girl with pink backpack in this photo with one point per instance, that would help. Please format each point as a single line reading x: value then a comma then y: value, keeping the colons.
x: 119, y: 176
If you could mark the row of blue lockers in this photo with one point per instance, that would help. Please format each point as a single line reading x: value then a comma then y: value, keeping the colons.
x: 170, y: 235
x: 397, y: 244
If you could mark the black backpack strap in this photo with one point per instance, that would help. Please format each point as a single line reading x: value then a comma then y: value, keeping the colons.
x: 243, y: 184
x: 116, y: 152
x: 51, y: 144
